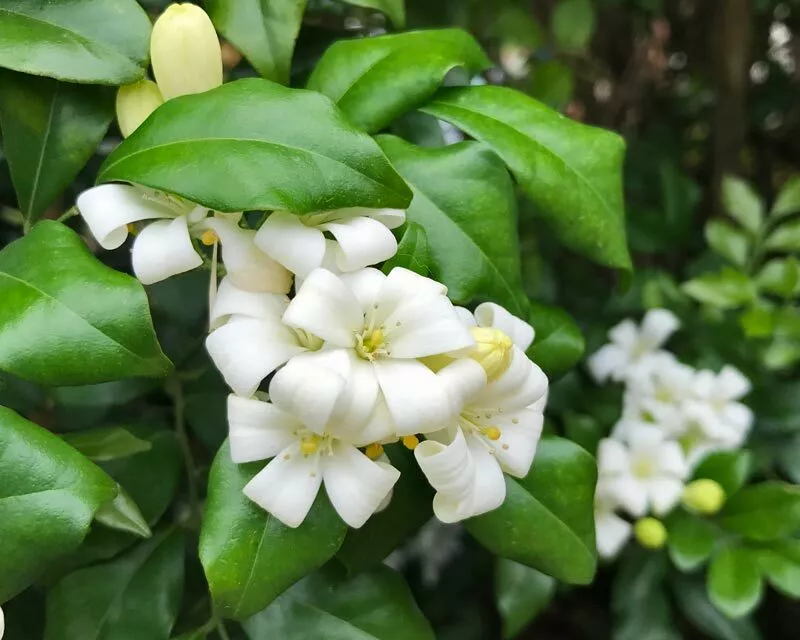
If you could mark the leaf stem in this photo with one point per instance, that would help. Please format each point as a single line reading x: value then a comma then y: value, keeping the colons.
x: 222, y: 631
x: 69, y: 213
x: 174, y: 388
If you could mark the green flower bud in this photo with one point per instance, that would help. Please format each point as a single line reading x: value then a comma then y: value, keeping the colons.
x: 650, y: 533
x: 704, y: 496
x: 135, y: 102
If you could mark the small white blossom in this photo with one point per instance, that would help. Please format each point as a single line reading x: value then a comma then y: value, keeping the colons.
x: 612, y: 531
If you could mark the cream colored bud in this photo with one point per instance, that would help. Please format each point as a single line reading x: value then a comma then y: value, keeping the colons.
x: 135, y: 102
x: 185, y: 51
x: 704, y: 496
x: 492, y: 351
x: 650, y: 533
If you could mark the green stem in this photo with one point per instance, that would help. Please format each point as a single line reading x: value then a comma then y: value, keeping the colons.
x: 175, y: 390
x: 69, y: 213
x: 222, y: 631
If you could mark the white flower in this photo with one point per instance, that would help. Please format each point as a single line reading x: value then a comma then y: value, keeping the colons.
x: 489, y: 314
x: 631, y: 345
x: 612, y: 531
x: 2, y: 623
x: 307, y: 431
x: 496, y: 431
x: 362, y: 238
x: 647, y: 471
x: 384, y: 323
x: 164, y: 247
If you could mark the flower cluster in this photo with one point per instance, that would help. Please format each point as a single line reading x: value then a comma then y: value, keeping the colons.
x: 673, y: 416
x: 353, y: 360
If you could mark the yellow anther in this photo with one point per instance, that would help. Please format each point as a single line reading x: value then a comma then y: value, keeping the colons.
x: 704, y: 496
x: 492, y: 351
x: 493, y: 433
x: 374, y: 451
x: 651, y: 533
x: 131, y: 228
x: 309, y: 446
x: 374, y: 340
x: 410, y: 442
x: 209, y: 237
x: 643, y: 468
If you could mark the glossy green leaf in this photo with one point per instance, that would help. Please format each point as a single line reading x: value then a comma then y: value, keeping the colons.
x: 734, y: 582
x: 729, y: 468
x: 553, y: 83
x: 135, y: 597
x: 780, y: 276
x: 691, y: 598
x: 558, y: 343
x: 464, y: 199
x: 375, y: 80
x: 691, y: 540
x: 48, y: 498
x: 374, y: 605
x: 547, y: 519
x: 727, y: 289
x: 412, y: 251
x: 265, y: 32
x: 394, y: 9
x: 521, y: 594
x: 62, y: 39
x: 249, y: 556
x: 766, y: 511
x: 728, y: 242
x: 314, y: 158
x: 573, y: 23
x: 409, y: 509
x: 583, y: 429
x: 107, y: 443
x: 67, y: 318
x: 780, y: 565
x: 785, y: 238
x: 50, y: 130
x: 788, y: 200
x: 123, y: 514
x: 742, y: 203
x: 571, y: 172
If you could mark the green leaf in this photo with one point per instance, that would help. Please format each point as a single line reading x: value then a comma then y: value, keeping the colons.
x: 93, y: 41
x: 729, y: 468
x: 107, y: 443
x: 780, y: 276
x: 728, y: 242
x: 394, y: 9
x: 375, y: 605
x: 135, y: 597
x: 521, y: 594
x: 315, y: 160
x: 727, y: 289
x: 464, y: 199
x: 375, y: 80
x: 250, y: 557
x: 734, y: 582
x: 409, y: 509
x: 785, y: 238
x: 552, y: 83
x: 48, y: 498
x: 583, y: 430
x: 780, y: 564
x: 691, y: 540
x: 69, y: 319
x: 742, y: 203
x: 571, y: 172
x: 412, y: 251
x: 50, y: 130
x: 763, y: 512
x: 558, y: 343
x: 547, y: 519
x: 573, y: 24
x: 265, y: 32
x: 788, y: 200
x: 693, y: 601
x: 123, y: 514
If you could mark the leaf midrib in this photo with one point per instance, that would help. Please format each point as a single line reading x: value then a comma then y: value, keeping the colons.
x: 35, y: 185
x: 327, y: 614
x: 249, y: 580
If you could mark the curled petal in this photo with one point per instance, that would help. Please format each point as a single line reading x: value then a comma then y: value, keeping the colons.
x: 163, y: 249
x: 231, y: 300
x: 489, y: 485
x: 490, y: 314
x: 362, y: 242
x: 450, y: 470
x: 390, y: 218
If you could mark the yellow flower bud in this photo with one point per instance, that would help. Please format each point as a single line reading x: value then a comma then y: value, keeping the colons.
x: 704, y: 496
x: 492, y: 351
x: 650, y: 533
x: 135, y: 102
x: 185, y: 51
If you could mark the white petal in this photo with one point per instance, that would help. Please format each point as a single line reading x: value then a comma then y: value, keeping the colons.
x: 285, y: 238
x: 466, y: 317
x: 246, y: 351
x: 109, y: 208
x: 424, y: 326
x: 287, y: 486
x: 520, y: 386
x: 612, y: 533
x: 664, y: 493
x: 258, y: 430
x: 738, y: 417
x: 519, y: 437
x: 630, y: 494
x: 450, y: 470
x: 416, y: 398
x: 733, y: 385
x: 671, y: 460
x: 463, y: 380
x: 391, y: 218
x: 163, y: 249
x: 365, y: 284
x: 362, y: 242
x: 606, y: 362
x: 612, y: 457
x: 325, y: 307
x: 231, y: 300
x: 490, y: 314
x: 355, y: 484
x: 357, y: 420
x: 489, y: 484
x: 247, y: 266
x: 658, y: 325
x: 625, y: 334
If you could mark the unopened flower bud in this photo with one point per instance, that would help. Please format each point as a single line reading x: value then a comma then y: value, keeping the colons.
x: 650, y: 533
x: 135, y: 102
x: 492, y: 351
x: 185, y: 51
x: 704, y: 496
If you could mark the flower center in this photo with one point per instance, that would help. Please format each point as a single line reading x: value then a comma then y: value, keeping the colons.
x: 643, y: 468
x: 311, y: 443
x: 371, y: 344
x: 471, y: 424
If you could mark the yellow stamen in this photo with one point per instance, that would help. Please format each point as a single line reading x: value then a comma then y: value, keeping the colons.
x: 131, y: 228
x: 374, y: 451
x: 492, y: 351
x: 493, y: 433
x: 643, y: 468
x: 209, y: 237
x: 309, y: 447
x: 410, y: 442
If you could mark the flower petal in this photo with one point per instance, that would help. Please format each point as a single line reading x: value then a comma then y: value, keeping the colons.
x: 612, y: 533
x: 463, y: 380
x: 362, y: 242
x: 285, y: 238
x: 672, y: 461
x: 521, y: 385
x: 664, y: 493
x: 390, y: 218
x: 489, y: 485
x: 109, y: 208
x: 732, y: 383
x: 490, y: 314
x: 657, y: 326
x: 355, y: 484
x: 630, y: 494
x: 231, y: 300
x: 287, y: 486
x: 450, y: 470
x: 606, y: 362
x: 163, y: 249
x: 519, y: 437
x: 357, y: 420
x: 424, y: 326
x: 365, y: 284
x: 625, y: 334
x: 612, y: 457
x: 258, y: 430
